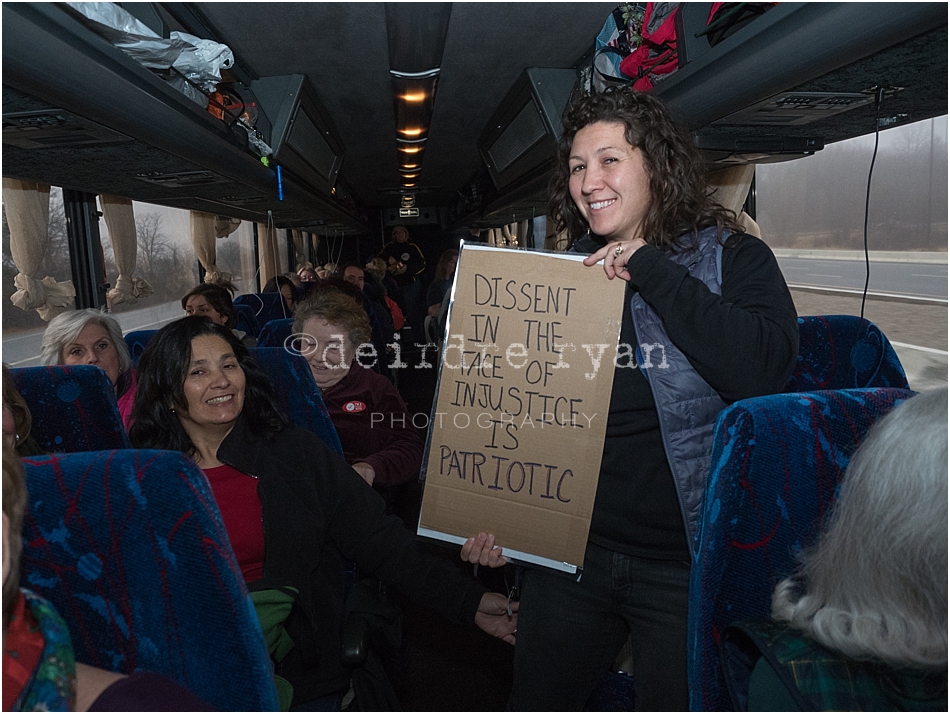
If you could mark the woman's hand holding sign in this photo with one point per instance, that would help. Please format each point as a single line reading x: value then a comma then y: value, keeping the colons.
x: 482, y: 550
x: 615, y: 256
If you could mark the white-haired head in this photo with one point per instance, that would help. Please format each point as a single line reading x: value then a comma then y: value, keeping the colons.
x: 875, y: 584
x: 65, y: 328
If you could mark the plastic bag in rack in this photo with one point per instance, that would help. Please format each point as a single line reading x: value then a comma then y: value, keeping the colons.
x: 200, y: 61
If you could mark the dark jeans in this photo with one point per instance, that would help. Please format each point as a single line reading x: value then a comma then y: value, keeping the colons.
x: 570, y: 632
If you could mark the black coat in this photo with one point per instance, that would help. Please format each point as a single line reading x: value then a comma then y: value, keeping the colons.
x: 316, y: 511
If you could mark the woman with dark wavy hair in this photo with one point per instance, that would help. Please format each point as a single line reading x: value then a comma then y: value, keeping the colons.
x: 213, y: 300
x: 291, y: 506
x: 713, y: 302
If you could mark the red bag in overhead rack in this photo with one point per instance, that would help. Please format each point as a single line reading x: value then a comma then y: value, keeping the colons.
x: 655, y: 57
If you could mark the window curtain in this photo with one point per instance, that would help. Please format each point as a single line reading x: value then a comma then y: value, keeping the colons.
x: 507, y: 236
x: 120, y: 221
x: 314, y: 247
x: 730, y: 189
x: 205, y: 230
x: 267, y: 251
x: 27, y: 208
x: 300, y: 257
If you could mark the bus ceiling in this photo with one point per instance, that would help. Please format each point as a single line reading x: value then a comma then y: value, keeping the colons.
x: 363, y: 103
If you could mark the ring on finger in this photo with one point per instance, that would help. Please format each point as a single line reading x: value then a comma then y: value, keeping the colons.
x: 618, y: 250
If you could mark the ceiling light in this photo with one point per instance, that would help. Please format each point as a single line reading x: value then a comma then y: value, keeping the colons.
x: 413, y: 97
x: 410, y: 176
x: 411, y: 132
x: 410, y: 149
x: 409, y: 167
x: 408, y: 185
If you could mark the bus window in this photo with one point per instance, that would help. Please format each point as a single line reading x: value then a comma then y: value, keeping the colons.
x: 811, y: 211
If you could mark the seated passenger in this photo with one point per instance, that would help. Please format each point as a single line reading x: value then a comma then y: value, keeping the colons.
x: 92, y: 337
x: 214, y: 301
x: 39, y: 670
x: 863, y: 625
x: 307, y: 274
x: 374, y: 426
x: 444, y: 273
x: 376, y: 275
x: 374, y: 303
x: 282, y: 285
x: 291, y: 507
x: 17, y: 421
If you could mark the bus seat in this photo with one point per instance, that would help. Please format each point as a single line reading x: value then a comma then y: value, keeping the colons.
x: 131, y: 549
x: 246, y: 320
x: 777, y: 462
x: 275, y: 332
x: 843, y: 352
x: 297, y: 392
x: 137, y: 341
x: 73, y: 408
x: 266, y: 306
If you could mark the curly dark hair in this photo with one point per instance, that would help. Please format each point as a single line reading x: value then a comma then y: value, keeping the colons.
x: 680, y: 199
x: 161, y: 376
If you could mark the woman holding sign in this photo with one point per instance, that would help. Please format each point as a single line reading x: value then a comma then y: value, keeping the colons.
x: 714, y: 299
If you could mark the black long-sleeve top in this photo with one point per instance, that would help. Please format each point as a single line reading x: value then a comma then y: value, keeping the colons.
x: 743, y: 342
x: 315, y: 511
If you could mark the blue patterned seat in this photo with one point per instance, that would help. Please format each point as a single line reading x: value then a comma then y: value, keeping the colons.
x: 299, y: 396
x: 137, y: 341
x: 131, y: 549
x: 275, y: 332
x: 246, y: 320
x: 266, y: 306
x: 843, y: 352
x: 776, y: 465
x: 73, y: 408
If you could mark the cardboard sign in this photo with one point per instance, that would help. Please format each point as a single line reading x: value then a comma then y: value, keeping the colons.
x: 517, y: 431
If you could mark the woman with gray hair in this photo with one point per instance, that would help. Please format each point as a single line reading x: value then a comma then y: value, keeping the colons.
x: 863, y: 625
x: 375, y: 428
x: 92, y: 337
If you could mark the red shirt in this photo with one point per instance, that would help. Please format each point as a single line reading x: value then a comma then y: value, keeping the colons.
x: 236, y: 494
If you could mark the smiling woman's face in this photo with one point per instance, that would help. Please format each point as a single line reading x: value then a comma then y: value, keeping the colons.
x: 328, y: 350
x: 609, y: 181
x: 214, y: 385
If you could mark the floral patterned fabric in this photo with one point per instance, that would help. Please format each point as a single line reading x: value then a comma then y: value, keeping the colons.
x: 39, y: 672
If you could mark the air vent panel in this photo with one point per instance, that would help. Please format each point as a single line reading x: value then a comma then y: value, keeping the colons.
x: 54, y: 128
x: 181, y: 179
x: 797, y: 108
